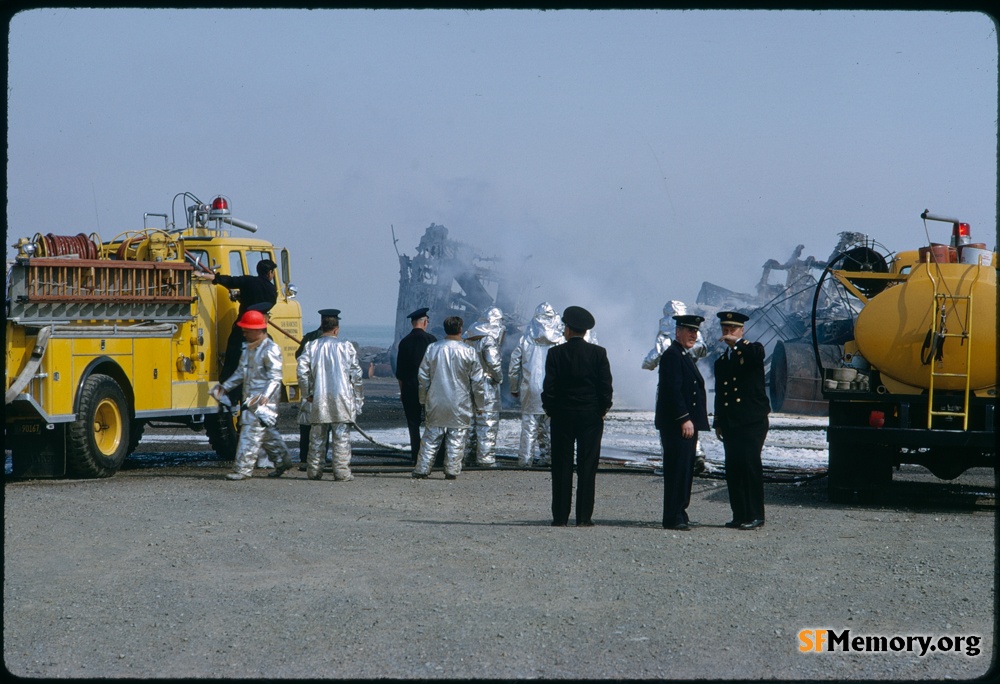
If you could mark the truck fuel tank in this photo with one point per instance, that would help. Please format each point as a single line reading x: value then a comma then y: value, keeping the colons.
x: 892, y: 330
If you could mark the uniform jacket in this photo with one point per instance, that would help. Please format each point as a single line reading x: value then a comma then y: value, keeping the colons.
x: 740, y: 395
x: 305, y: 407
x: 451, y: 384
x: 254, y: 289
x: 329, y: 372
x: 409, y: 355
x: 306, y: 339
x: 577, y: 379
x: 680, y: 394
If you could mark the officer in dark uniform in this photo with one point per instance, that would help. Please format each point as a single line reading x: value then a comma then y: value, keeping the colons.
x: 741, y: 410
x: 408, y: 357
x: 576, y: 395
x: 304, y: 427
x: 256, y: 289
x: 681, y: 411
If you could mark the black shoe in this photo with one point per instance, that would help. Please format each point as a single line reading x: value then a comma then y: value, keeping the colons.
x: 558, y: 524
x: 693, y: 523
x: 450, y: 477
x: 279, y: 470
x: 419, y: 476
x: 752, y: 525
x: 585, y: 523
x: 683, y: 527
x: 302, y: 467
x: 732, y: 524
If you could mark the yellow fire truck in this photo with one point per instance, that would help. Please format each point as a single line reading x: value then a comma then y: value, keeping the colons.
x: 917, y: 383
x: 105, y: 337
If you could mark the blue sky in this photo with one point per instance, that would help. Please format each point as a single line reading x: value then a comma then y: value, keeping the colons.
x: 632, y: 154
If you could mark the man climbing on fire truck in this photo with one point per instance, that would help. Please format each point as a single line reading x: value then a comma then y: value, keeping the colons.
x: 253, y: 290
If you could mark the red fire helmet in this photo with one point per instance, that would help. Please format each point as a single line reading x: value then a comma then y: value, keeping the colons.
x: 252, y: 320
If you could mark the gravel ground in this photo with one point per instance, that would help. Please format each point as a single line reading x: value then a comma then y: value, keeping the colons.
x: 174, y: 571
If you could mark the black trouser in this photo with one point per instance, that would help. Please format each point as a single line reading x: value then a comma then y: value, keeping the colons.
x: 744, y: 472
x: 303, y: 443
x: 583, y: 430
x: 412, y: 410
x: 231, y: 360
x: 678, y: 472
x: 414, y: 413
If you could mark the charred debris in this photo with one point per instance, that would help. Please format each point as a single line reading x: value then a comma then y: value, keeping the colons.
x: 453, y: 278
x: 781, y: 319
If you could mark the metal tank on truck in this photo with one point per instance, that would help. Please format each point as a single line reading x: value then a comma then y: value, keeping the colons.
x: 103, y: 338
x: 917, y: 382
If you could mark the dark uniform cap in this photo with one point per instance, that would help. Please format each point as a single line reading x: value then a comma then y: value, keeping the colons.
x: 263, y: 307
x: 732, y: 318
x: 578, y: 318
x: 689, y: 321
x: 332, y: 313
x: 419, y: 313
x: 265, y: 265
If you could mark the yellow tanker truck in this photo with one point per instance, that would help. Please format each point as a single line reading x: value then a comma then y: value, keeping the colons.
x: 105, y: 337
x: 918, y: 381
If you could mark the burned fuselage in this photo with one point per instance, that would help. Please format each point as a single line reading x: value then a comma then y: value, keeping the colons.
x: 453, y: 278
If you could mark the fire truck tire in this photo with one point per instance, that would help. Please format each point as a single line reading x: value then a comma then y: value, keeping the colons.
x: 856, y: 474
x: 135, y: 434
x: 98, y: 443
x: 222, y: 435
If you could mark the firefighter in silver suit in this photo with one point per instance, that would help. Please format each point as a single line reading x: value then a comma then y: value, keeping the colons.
x: 259, y: 374
x: 527, y: 371
x: 451, y: 388
x: 486, y: 337
x: 664, y: 338
x: 666, y: 335
x: 329, y: 376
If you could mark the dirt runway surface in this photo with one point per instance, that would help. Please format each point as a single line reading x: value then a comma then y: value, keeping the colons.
x: 174, y: 571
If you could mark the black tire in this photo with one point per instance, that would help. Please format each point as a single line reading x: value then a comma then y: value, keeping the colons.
x: 856, y: 473
x: 947, y: 464
x: 99, y: 440
x: 135, y: 434
x: 222, y: 434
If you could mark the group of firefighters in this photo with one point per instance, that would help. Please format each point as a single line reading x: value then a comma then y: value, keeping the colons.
x: 452, y: 386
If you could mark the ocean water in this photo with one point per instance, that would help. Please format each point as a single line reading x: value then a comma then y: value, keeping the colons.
x: 366, y: 335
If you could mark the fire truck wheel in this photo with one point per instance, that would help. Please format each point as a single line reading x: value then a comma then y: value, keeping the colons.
x: 135, y: 434
x: 99, y: 441
x: 222, y: 434
x: 857, y: 474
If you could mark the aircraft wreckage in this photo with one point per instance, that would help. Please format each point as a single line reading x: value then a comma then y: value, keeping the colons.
x: 780, y: 319
x: 453, y: 278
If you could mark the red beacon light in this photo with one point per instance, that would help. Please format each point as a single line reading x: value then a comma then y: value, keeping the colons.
x: 961, y: 234
x: 220, y: 208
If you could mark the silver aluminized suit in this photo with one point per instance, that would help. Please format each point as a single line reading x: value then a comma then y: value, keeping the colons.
x: 486, y: 337
x: 527, y: 371
x: 329, y: 376
x: 668, y: 330
x: 451, y: 389
x: 259, y: 371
